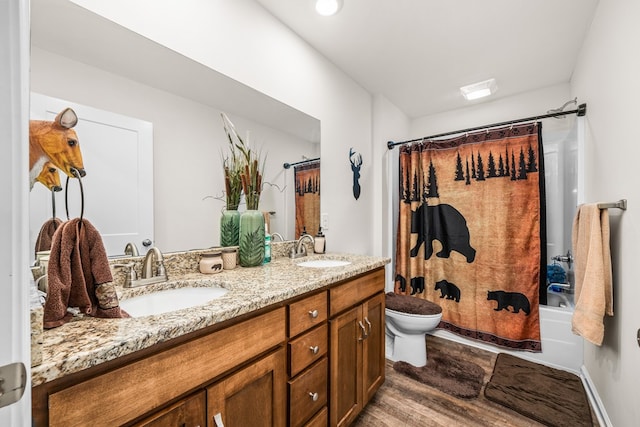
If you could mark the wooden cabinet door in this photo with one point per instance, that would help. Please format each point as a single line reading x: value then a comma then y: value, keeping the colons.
x: 373, y: 363
x: 254, y: 396
x: 189, y: 412
x: 346, y: 367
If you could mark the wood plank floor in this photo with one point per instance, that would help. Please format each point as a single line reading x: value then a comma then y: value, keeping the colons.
x: 403, y: 402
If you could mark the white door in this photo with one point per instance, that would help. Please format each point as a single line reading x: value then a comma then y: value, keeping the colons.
x: 117, y: 154
x: 14, y: 292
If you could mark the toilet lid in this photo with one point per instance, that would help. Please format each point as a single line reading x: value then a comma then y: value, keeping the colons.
x: 411, y: 305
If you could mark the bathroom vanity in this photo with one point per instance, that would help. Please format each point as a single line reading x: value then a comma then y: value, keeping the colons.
x: 286, y: 345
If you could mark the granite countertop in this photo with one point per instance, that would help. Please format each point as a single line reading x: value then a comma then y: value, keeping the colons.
x: 87, y: 341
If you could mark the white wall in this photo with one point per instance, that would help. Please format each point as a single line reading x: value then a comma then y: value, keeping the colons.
x: 241, y: 40
x: 482, y: 113
x: 188, y: 140
x: 606, y: 76
x: 390, y: 124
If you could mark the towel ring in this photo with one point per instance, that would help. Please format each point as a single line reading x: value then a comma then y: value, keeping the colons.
x: 75, y: 172
x: 53, y: 209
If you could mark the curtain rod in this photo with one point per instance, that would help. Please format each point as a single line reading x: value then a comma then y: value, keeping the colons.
x: 580, y: 111
x: 288, y: 165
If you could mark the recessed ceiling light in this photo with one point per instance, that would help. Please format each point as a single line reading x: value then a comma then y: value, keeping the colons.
x: 328, y: 7
x: 479, y: 90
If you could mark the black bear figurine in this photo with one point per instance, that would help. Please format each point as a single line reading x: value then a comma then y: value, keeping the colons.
x: 514, y: 299
x: 445, y: 224
x: 448, y: 289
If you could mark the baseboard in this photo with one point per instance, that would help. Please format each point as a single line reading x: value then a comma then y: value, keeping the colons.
x: 594, y: 398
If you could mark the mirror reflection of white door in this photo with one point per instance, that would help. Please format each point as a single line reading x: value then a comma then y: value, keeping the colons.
x: 117, y: 154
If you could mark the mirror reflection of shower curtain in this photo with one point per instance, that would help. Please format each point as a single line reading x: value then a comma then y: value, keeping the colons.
x: 307, y: 198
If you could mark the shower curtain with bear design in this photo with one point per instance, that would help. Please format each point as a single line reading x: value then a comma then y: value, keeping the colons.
x: 471, y: 232
x: 307, y: 187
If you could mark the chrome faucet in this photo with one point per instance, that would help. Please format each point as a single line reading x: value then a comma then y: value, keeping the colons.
x: 300, y: 249
x: 131, y: 249
x: 153, y: 270
x: 153, y: 266
x: 274, y: 235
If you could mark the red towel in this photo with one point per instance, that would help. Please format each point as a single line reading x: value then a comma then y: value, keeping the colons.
x: 77, y: 265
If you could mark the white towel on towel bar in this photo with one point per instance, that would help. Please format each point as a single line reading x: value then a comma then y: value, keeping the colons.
x: 592, y: 253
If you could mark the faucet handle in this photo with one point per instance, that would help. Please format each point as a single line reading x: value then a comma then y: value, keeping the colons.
x: 160, y: 270
x: 131, y: 273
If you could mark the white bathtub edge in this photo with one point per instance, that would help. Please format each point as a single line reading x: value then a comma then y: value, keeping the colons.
x: 594, y: 398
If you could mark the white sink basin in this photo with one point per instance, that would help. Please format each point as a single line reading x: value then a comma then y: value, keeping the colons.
x: 324, y: 263
x: 169, y: 300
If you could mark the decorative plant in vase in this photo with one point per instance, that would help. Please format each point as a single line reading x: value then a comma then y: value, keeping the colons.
x: 230, y: 220
x: 252, y: 226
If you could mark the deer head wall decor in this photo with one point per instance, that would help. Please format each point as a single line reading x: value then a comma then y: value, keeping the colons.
x: 57, y: 142
x: 49, y: 177
x: 356, y: 163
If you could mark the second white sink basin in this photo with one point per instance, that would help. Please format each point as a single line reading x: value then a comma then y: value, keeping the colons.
x: 324, y: 263
x: 169, y: 300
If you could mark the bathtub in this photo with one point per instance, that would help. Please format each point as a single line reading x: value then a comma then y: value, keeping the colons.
x: 560, y: 347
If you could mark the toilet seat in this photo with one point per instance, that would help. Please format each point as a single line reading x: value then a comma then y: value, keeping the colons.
x: 405, y: 332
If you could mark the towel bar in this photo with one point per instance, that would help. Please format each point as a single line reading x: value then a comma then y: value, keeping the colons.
x: 620, y: 204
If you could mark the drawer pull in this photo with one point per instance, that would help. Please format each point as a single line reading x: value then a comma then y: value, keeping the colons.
x: 364, y: 332
x: 314, y: 396
x: 217, y: 420
x: 313, y: 314
x: 314, y: 349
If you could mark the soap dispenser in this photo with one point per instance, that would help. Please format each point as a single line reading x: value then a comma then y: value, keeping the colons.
x: 319, y: 242
x: 267, y: 245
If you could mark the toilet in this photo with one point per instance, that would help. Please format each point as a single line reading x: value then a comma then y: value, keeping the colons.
x: 408, y: 319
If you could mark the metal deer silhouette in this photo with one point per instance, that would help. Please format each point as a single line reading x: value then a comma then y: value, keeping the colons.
x: 57, y: 142
x: 356, y: 162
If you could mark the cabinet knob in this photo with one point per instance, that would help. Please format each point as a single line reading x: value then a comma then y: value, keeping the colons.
x: 314, y: 349
x: 313, y: 314
x: 314, y: 396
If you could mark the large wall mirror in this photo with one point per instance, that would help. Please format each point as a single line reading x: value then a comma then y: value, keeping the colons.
x: 83, y: 59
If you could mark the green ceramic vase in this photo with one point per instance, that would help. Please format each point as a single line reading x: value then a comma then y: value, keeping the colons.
x: 230, y: 228
x: 251, y: 238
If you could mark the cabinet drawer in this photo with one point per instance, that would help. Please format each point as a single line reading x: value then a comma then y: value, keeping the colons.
x: 307, y: 348
x: 355, y: 291
x: 137, y: 382
x: 321, y: 419
x: 307, y: 313
x: 189, y: 412
x: 308, y: 393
